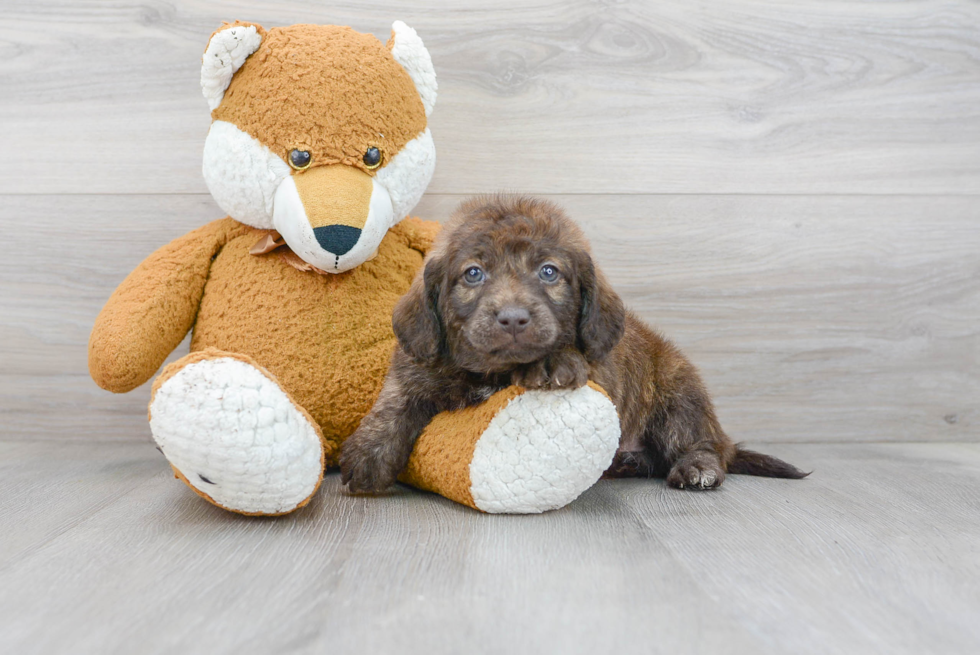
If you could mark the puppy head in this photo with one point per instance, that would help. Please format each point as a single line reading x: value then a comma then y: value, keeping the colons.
x: 509, y: 280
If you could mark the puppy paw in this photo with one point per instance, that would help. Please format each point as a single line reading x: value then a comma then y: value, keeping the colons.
x: 531, y: 376
x: 366, y: 467
x: 701, y: 471
x: 563, y: 370
x: 568, y: 370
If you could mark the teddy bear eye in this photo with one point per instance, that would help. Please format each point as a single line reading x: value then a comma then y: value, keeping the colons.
x: 300, y: 160
x: 372, y: 158
x: 474, y: 275
x: 548, y: 273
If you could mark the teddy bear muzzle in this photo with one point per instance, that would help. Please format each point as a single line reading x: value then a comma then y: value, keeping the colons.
x: 333, y: 216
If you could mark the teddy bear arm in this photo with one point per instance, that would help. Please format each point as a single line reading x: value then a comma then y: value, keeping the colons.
x: 519, y: 452
x: 152, y: 310
x: 418, y: 234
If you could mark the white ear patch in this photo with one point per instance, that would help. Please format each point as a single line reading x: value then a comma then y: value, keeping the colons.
x: 227, y: 51
x: 409, y: 51
x: 408, y: 174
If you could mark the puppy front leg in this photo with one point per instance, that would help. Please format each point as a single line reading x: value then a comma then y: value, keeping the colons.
x: 565, y: 369
x: 378, y: 450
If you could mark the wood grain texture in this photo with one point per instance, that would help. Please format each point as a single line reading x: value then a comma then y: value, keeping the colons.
x: 876, y: 552
x: 756, y: 96
x: 812, y: 318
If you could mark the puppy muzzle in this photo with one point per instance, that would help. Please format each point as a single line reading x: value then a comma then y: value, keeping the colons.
x: 333, y: 217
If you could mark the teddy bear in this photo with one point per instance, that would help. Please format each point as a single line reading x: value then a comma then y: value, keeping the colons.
x: 319, y: 148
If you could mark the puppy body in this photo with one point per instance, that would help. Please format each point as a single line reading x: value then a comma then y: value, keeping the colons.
x: 509, y: 295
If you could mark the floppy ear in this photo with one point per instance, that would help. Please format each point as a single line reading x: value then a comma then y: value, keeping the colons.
x: 227, y: 50
x: 417, y: 320
x: 602, y: 317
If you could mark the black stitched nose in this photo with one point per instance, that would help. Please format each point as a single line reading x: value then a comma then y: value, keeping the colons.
x: 513, y: 319
x: 338, y: 239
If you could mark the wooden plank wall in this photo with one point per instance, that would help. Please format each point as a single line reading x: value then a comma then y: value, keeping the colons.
x: 790, y: 190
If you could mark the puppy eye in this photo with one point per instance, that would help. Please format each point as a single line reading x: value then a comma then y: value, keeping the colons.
x: 372, y: 158
x: 474, y: 275
x: 300, y: 160
x: 548, y: 273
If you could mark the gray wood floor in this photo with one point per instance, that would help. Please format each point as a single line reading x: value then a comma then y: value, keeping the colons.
x: 789, y: 190
x: 877, y: 552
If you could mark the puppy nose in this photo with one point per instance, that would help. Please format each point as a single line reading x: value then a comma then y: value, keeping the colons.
x: 513, y: 319
x: 338, y: 239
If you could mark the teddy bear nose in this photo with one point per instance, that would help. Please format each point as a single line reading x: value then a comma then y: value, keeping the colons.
x: 338, y: 239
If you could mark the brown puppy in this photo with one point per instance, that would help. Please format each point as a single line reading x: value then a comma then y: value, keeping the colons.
x: 509, y: 295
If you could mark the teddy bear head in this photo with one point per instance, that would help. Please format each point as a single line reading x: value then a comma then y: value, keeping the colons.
x: 320, y: 133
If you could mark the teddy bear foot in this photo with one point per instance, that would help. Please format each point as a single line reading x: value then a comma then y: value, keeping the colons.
x: 234, y: 436
x: 520, y: 452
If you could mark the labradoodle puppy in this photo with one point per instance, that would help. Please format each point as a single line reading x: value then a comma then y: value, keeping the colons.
x: 510, y: 295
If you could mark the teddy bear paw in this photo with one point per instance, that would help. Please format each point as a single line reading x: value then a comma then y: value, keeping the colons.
x: 543, y: 450
x: 235, y: 437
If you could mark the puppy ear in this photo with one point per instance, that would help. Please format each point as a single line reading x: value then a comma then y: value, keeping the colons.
x: 602, y: 317
x: 417, y: 320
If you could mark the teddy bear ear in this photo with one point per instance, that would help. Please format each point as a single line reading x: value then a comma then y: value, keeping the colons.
x: 409, y: 51
x: 227, y: 50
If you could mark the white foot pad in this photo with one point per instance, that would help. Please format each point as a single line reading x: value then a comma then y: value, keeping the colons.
x: 237, y: 437
x: 543, y: 450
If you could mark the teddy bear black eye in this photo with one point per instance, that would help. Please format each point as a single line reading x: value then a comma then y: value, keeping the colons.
x: 372, y: 158
x: 548, y: 273
x: 474, y: 275
x: 300, y: 159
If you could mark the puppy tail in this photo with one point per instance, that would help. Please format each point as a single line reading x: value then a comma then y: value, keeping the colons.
x: 749, y: 462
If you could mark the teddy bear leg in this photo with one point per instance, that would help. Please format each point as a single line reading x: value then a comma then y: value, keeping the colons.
x: 520, y: 452
x: 234, y: 436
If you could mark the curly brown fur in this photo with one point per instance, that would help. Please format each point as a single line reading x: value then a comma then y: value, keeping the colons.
x: 509, y: 295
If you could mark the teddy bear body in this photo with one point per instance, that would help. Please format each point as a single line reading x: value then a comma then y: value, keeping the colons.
x: 318, y: 149
x: 326, y: 338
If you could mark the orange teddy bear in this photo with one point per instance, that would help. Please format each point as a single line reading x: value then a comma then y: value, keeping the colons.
x: 318, y: 148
